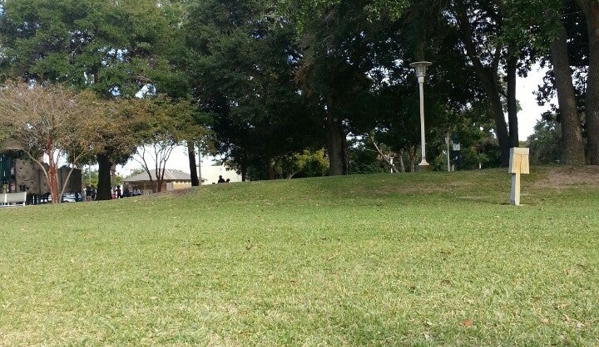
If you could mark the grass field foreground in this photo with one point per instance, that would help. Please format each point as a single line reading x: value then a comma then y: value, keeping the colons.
x: 435, y: 259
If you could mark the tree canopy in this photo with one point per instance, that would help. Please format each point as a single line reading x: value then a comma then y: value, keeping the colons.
x: 273, y: 83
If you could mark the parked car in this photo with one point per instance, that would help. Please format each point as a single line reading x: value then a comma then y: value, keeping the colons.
x: 71, y: 197
x: 68, y: 197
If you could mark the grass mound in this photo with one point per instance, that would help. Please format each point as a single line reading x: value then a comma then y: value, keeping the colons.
x: 377, y: 260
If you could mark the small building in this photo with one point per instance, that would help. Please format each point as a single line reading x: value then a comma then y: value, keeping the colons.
x: 173, y: 179
x: 20, y: 174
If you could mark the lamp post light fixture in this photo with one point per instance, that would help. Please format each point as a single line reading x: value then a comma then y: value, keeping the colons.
x: 420, y: 67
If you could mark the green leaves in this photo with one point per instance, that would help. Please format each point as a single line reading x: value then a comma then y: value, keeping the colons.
x: 242, y: 64
x: 85, y: 43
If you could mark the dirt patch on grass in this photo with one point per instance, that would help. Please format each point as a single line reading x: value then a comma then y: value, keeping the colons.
x: 570, y: 176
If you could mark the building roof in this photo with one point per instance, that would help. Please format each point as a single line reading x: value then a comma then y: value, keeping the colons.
x: 11, y: 144
x: 169, y: 175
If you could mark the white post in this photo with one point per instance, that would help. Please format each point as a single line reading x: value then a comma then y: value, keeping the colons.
x: 422, y: 135
x: 420, y: 73
x: 515, y: 194
x: 199, y: 165
x: 447, y: 141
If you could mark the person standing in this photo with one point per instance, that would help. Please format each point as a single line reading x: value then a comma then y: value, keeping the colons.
x: 88, y: 193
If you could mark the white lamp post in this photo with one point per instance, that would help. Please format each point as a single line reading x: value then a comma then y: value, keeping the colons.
x: 420, y: 67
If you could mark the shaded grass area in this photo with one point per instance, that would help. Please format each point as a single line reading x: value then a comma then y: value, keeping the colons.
x: 380, y: 260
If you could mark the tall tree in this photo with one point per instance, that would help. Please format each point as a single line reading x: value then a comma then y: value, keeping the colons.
x: 243, y: 65
x: 571, y: 130
x: 560, y: 39
x: 478, y: 22
x: 160, y: 125
x: 340, y: 42
x: 109, y: 47
x: 49, y: 121
x: 171, y: 74
x: 590, y: 9
x: 111, y: 131
x: 453, y: 89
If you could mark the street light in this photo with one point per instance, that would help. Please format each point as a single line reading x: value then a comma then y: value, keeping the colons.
x: 420, y: 67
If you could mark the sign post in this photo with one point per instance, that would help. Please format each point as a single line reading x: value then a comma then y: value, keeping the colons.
x: 518, y: 165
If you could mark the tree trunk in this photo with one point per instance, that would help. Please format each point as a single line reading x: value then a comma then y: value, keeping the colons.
x: 402, y: 166
x: 270, y: 168
x: 385, y: 158
x: 244, y: 166
x: 573, y: 143
x: 104, y: 183
x: 512, y: 105
x: 412, y: 157
x: 489, y: 79
x: 53, y: 179
x: 193, y: 170
x: 591, y: 12
x: 336, y: 147
x: 500, y: 125
x: 159, y: 179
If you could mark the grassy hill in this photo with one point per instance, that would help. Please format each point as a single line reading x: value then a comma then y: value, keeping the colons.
x: 380, y: 260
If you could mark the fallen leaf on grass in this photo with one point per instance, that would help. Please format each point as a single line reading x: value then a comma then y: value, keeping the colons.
x: 467, y: 323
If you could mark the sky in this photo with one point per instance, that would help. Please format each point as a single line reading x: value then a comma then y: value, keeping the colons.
x: 531, y: 111
x: 528, y: 116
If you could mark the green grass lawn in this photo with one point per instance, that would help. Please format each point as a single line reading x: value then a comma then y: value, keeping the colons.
x: 435, y: 259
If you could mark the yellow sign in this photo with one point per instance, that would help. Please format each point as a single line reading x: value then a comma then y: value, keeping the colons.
x: 519, y: 161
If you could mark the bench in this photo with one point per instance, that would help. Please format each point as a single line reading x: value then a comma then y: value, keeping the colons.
x: 13, y: 199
